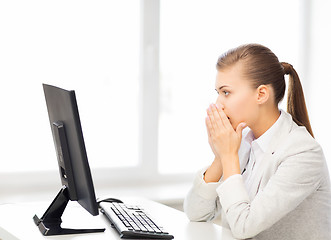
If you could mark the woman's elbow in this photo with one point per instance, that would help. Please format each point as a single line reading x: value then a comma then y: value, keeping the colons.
x: 198, y: 217
x: 241, y: 235
x: 242, y: 232
x: 196, y: 214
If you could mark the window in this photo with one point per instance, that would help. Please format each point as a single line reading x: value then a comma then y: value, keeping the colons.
x: 89, y: 47
x: 318, y: 65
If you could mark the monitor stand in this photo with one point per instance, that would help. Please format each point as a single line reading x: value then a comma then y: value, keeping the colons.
x: 50, y: 223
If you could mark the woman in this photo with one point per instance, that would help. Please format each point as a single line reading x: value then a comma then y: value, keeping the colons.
x: 270, y: 180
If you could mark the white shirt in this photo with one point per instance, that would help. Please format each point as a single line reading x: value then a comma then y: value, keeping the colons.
x: 258, y: 148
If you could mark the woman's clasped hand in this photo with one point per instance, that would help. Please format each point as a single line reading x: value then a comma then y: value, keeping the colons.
x: 223, y: 139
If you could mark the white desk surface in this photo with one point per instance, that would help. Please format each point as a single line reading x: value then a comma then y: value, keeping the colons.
x: 16, y: 222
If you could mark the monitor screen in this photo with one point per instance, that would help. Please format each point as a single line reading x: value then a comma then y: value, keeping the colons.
x: 70, y: 148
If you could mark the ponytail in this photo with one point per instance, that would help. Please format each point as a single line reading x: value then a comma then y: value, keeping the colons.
x: 296, y: 105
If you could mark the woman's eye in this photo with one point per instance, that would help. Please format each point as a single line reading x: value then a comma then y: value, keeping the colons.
x: 226, y: 93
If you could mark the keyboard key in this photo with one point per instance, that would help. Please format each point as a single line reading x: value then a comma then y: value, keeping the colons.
x: 149, y: 228
x: 126, y: 223
x: 162, y: 230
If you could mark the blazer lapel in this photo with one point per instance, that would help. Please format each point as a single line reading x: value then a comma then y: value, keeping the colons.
x: 259, y: 180
x: 284, y: 129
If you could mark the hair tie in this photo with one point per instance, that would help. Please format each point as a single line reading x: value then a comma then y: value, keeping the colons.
x: 287, y: 67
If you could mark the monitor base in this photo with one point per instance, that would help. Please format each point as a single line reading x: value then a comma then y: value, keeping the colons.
x: 50, y: 223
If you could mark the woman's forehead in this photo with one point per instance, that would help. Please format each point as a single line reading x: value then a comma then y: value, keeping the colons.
x: 231, y: 76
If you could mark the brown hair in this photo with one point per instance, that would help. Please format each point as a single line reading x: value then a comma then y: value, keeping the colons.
x: 262, y: 67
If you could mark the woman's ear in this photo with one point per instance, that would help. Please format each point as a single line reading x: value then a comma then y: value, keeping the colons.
x: 263, y: 93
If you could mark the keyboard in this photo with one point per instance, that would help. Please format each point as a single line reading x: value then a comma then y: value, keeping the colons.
x: 132, y: 221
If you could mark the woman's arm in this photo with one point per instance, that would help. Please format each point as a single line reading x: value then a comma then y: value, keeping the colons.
x: 201, y: 203
x: 214, y: 172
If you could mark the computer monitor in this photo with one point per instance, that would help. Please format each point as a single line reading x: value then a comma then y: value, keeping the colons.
x: 77, y: 184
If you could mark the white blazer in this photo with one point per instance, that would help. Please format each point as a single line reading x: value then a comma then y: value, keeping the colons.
x: 293, y: 199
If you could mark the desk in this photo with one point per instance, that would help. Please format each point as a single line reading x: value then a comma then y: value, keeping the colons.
x: 16, y: 220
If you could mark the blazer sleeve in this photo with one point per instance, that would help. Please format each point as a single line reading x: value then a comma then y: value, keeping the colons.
x: 296, y: 178
x: 201, y: 202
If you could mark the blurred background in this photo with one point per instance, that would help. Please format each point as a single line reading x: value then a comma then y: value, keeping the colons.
x: 143, y: 72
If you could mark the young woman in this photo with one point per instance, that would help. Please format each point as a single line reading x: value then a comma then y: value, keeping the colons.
x: 270, y: 180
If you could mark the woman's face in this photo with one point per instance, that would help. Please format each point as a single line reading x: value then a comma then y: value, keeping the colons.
x: 236, y: 95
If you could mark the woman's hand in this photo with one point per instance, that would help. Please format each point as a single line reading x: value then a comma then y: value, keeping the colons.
x: 223, y: 139
x: 211, y: 143
x: 215, y: 171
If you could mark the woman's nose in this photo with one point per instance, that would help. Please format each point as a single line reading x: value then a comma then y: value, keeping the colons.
x: 219, y: 104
